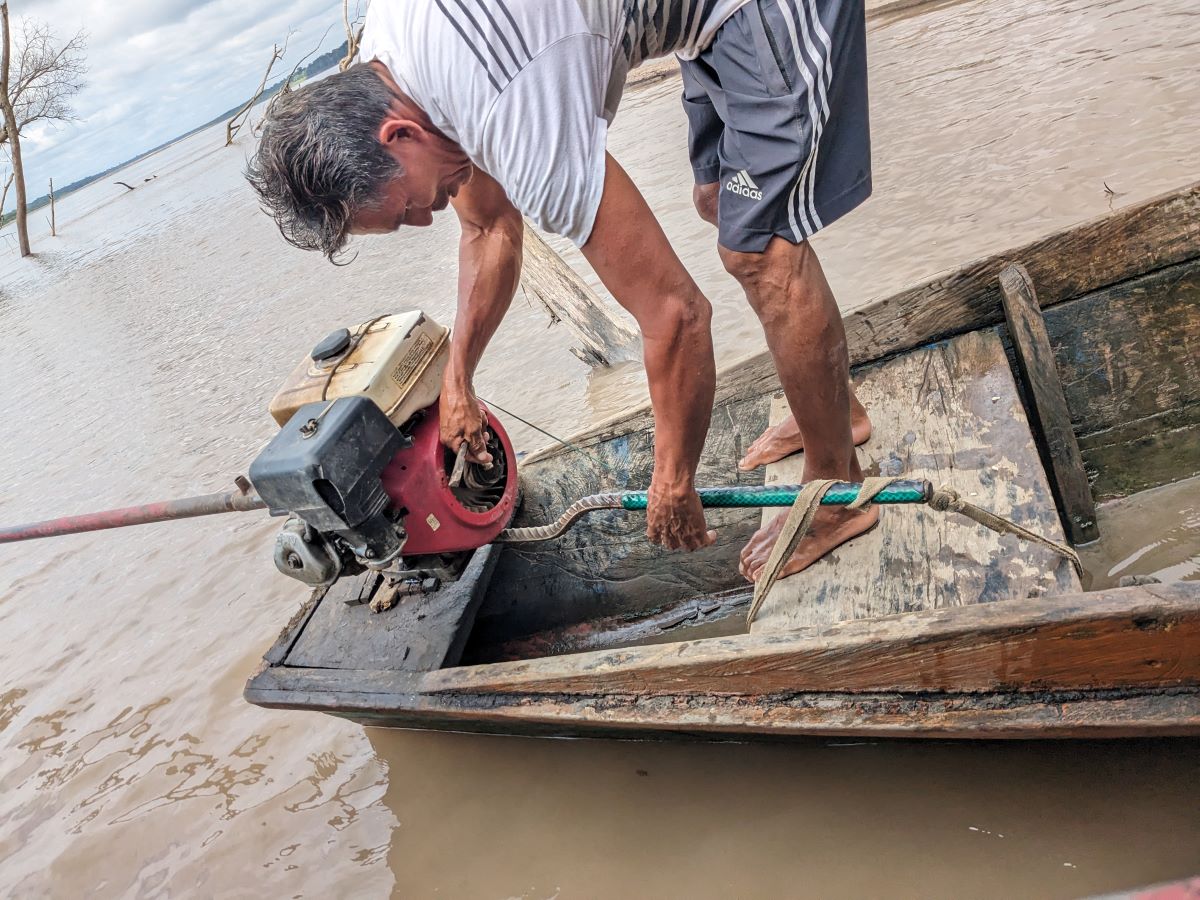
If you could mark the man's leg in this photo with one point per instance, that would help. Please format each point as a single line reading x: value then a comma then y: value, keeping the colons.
x: 705, y: 197
x: 804, y: 331
x: 782, y: 440
x: 787, y: 83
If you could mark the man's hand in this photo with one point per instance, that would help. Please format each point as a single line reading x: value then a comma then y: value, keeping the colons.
x: 634, y: 259
x: 675, y: 519
x: 463, y: 420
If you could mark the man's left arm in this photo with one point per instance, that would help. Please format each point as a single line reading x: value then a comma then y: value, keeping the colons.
x: 489, y: 270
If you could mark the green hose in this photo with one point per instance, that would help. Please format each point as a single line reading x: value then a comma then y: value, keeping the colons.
x: 841, y: 494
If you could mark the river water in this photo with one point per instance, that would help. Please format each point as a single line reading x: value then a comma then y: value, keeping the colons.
x: 141, y: 347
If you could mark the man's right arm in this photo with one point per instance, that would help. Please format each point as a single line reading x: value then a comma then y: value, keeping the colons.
x: 634, y: 259
x: 489, y: 270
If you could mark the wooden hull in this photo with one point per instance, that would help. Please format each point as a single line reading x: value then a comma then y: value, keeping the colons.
x: 1120, y: 663
x: 599, y: 634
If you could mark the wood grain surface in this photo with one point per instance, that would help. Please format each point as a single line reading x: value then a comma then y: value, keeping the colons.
x: 1049, y: 414
x: 1137, y: 637
x: 948, y: 413
x: 1129, y: 360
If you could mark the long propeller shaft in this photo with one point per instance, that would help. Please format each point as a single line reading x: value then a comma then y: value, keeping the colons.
x: 241, y: 500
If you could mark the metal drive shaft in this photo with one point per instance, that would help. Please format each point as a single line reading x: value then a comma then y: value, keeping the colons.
x: 242, y: 500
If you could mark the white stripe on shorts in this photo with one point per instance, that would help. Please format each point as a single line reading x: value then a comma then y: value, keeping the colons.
x: 824, y: 79
x: 804, y: 228
x: 815, y: 70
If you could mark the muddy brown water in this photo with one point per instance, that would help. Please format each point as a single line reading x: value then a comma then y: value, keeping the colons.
x: 142, y: 345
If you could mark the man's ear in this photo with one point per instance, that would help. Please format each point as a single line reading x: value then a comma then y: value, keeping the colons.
x: 395, y: 129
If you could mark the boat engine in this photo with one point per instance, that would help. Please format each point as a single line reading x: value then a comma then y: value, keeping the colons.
x: 359, y: 469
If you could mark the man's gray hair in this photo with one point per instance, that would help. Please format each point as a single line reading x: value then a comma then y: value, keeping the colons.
x: 320, y: 160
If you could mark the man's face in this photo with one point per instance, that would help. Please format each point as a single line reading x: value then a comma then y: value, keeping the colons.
x: 434, y: 168
x: 411, y: 199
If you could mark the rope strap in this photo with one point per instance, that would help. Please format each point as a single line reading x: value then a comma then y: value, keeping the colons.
x: 944, y: 499
x: 804, y: 510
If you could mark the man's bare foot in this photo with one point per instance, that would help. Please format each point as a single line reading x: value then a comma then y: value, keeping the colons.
x: 782, y: 440
x: 831, y: 528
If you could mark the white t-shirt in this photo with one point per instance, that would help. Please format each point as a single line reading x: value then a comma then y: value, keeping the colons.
x: 528, y: 87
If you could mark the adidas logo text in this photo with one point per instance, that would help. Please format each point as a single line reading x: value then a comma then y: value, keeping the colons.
x: 743, y: 184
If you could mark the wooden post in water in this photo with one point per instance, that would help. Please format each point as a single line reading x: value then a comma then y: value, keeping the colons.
x: 1050, y: 416
x: 604, y: 337
x: 52, y: 231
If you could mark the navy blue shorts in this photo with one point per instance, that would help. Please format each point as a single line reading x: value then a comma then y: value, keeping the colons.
x: 777, y: 112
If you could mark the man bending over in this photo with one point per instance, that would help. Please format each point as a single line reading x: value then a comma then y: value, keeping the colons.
x: 501, y: 108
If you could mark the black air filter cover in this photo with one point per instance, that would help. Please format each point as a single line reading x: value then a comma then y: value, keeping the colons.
x: 325, y: 466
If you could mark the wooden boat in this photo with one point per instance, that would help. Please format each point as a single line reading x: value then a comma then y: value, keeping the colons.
x: 1088, y: 389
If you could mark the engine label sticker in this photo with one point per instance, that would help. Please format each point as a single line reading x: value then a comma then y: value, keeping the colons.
x: 432, y: 521
x: 412, y: 359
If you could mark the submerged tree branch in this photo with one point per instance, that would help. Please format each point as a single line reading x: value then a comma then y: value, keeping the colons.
x: 354, y: 32
x: 234, y: 125
x: 4, y: 193
x: 287, y: 84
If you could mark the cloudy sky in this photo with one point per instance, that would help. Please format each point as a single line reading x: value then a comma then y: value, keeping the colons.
x: 158, y: 68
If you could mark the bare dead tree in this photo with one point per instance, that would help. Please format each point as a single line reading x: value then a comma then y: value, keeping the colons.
x: 4, y: 193
x: 354, y: 32
x: 38, y: 88
x: 53, y: 232
x: 234, y: 125
x: 10, y: 128
x: 287, y: 82
x: 48, y: 76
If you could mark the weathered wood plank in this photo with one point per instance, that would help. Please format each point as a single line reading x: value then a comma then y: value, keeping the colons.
x: 283, y: 644
x: 419, y: 633
x: 709, y: 615
x: 948, y: 413
x: 1141, y: 456
x: 1095, y: 714
x: 1132, y: 241
x: 1122, y: 638
x: 1048, y: 412
x: 603, y: 335
x: 1129, y: 359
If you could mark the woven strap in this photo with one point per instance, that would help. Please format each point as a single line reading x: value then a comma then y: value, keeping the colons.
x: 795, y: 527
x: 871, y: 488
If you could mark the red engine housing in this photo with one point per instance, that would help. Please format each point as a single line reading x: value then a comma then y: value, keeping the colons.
x: 418, y: 480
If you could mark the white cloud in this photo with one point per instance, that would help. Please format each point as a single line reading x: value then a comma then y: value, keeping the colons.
x: 158, y: 68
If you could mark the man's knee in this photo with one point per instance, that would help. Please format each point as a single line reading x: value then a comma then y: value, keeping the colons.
x: 705, y: 197
x: 778, y: 263
x: 774, y: 280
